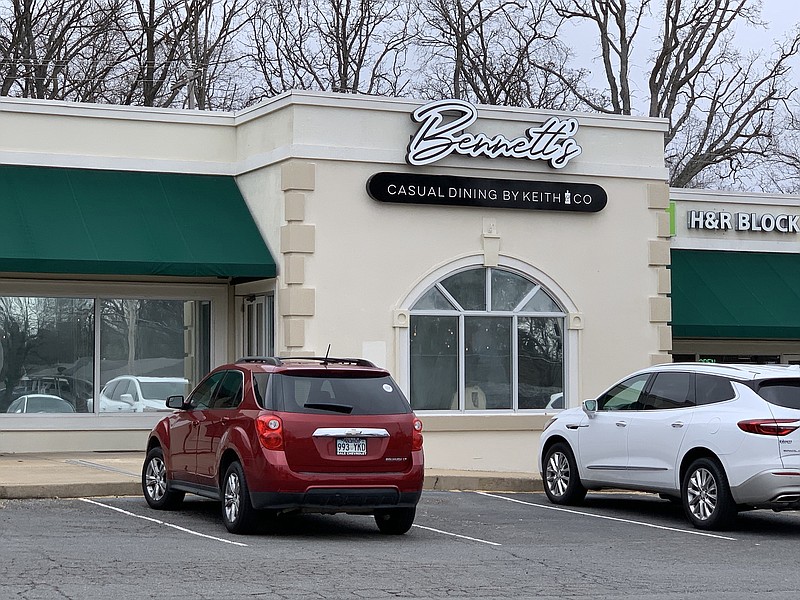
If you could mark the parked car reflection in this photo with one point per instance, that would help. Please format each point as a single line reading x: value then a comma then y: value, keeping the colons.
x: 69, y: 388
x: 40, y: 403
x: 132, y: 393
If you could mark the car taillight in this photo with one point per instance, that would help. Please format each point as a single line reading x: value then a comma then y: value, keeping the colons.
x: 776, y: 427
x: 416, y: 435
x: 270, y: 432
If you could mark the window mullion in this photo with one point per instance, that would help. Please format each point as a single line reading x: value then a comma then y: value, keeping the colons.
x: 527, y: 298
x: 514, y: 365
x: 449, y: 296
x: 462, y: 371
x: 488, y: 299
x: 96, y: 358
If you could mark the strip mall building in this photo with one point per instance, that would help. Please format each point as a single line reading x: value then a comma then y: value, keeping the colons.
x: 501, y: 263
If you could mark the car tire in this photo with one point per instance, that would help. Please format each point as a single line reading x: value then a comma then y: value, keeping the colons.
x: 238, y: 513
x: 706, y: 495
x: 395, y: 521
x: 155, y: 485
x: 561, y: 481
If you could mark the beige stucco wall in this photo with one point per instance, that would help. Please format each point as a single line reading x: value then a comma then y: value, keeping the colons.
x: 348, y: 263
x: 364, y: 260
x: 369, y: 256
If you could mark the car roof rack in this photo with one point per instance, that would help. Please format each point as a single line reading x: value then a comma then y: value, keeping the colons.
x: 324, y: 360
x: 361, y: 362
x: 269, y: 360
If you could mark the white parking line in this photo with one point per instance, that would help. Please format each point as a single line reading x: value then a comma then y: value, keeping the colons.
x: 463, y: 537
x: 130, y: 514
x: 586, y: 514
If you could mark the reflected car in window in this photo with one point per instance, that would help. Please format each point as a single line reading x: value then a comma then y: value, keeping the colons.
x: 40, y: 403
x: 716, y: 438
x: 132, y: 393
x: 268, y: 436
x: 72, y: 389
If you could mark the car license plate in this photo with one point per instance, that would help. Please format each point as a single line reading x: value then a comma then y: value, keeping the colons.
x: 351, y: 447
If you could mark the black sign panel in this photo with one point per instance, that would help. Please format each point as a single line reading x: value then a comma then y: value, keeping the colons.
x: 412, y: 188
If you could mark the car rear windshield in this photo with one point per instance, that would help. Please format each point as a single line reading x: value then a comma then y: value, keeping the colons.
x: 781, y: 392
x: 340, y: 393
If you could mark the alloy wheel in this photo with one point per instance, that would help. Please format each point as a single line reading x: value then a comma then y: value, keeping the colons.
x: 557, y: 474
x: 232, y: 497
x: 701, y: 493
x: 156, y: 479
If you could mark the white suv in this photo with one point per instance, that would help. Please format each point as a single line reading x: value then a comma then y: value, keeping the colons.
x: 133, y: 393
x: 717, y: 438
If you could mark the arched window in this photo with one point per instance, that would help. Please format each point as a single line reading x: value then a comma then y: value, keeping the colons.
x: 486, y: 339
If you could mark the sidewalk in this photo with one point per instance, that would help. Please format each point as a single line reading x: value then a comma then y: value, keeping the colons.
x: 79, y: 474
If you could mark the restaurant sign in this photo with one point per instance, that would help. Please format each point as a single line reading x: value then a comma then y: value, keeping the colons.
x: 446, y: 190
x: 441, y: 132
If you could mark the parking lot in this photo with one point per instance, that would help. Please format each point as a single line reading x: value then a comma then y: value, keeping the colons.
x: 463, y: 545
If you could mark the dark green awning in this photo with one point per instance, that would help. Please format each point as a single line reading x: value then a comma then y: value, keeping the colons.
x: 735, y: 295
x: 81, y: 221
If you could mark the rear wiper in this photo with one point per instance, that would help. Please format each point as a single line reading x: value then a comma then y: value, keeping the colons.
x: 342, y: 408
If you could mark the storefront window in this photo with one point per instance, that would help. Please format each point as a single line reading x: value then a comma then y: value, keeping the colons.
x: 149, y: 349
x: 486, y: 339
x: 487, y: 363
x: 434, y: 362
x: 46, y: 355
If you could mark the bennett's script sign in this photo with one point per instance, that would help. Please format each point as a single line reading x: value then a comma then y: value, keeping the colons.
x: 442, y: 132
x: 411, y: 188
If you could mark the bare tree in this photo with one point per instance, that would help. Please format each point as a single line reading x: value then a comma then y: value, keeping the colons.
x: 356, y: 46
x: 181, y: 49
x: 60, y: 49
x: 213, y: 58
x: 489, y: 51
x: 719, y: 101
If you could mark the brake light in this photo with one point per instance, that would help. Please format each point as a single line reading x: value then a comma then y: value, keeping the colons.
x: 416, y: 435
x: 270, y: 432
x: 777, y: 427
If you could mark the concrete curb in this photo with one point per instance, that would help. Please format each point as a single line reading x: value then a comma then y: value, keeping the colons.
x: 70, y: 490
x: 464, y: 483
x: 77, y: 475
x: 482, y: 483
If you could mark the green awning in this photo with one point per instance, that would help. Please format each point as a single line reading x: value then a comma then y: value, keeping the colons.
x: 80, y: 221
x: 735, y: 295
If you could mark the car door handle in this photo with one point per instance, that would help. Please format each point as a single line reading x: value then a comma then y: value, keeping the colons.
x: 678, y: 424
x: 622, y: 423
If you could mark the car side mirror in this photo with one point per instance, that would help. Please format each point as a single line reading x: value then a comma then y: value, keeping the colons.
x: 178, y: 402
x: 589, y: 407
x: 126, y: 398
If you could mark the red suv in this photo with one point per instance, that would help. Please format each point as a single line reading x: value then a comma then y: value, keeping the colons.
x: 276, y: 435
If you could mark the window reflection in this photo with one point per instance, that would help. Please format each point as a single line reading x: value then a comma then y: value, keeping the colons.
x: 487, y: 360
x: 512, y: 354
x: 541, y: 362
x: 46, y: 354
x: 434, y: 362
x: 149, y: 349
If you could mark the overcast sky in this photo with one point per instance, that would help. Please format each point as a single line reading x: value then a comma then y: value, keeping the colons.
x: 782, y: 16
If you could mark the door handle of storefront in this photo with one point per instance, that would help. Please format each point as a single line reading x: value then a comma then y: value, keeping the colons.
x: 678, y: 424
x: 622, y: 423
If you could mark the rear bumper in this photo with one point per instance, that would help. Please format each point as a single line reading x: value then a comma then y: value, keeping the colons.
x: 778, y: 489
x: 332, y: 500
x: 274, y: 485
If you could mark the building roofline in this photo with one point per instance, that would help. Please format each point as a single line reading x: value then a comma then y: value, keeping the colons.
x: 305, y: 98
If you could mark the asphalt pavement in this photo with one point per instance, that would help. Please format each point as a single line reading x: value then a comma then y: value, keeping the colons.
x: 83, y: 474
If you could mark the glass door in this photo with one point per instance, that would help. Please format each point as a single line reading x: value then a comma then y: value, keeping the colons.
x: 258, y: 326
